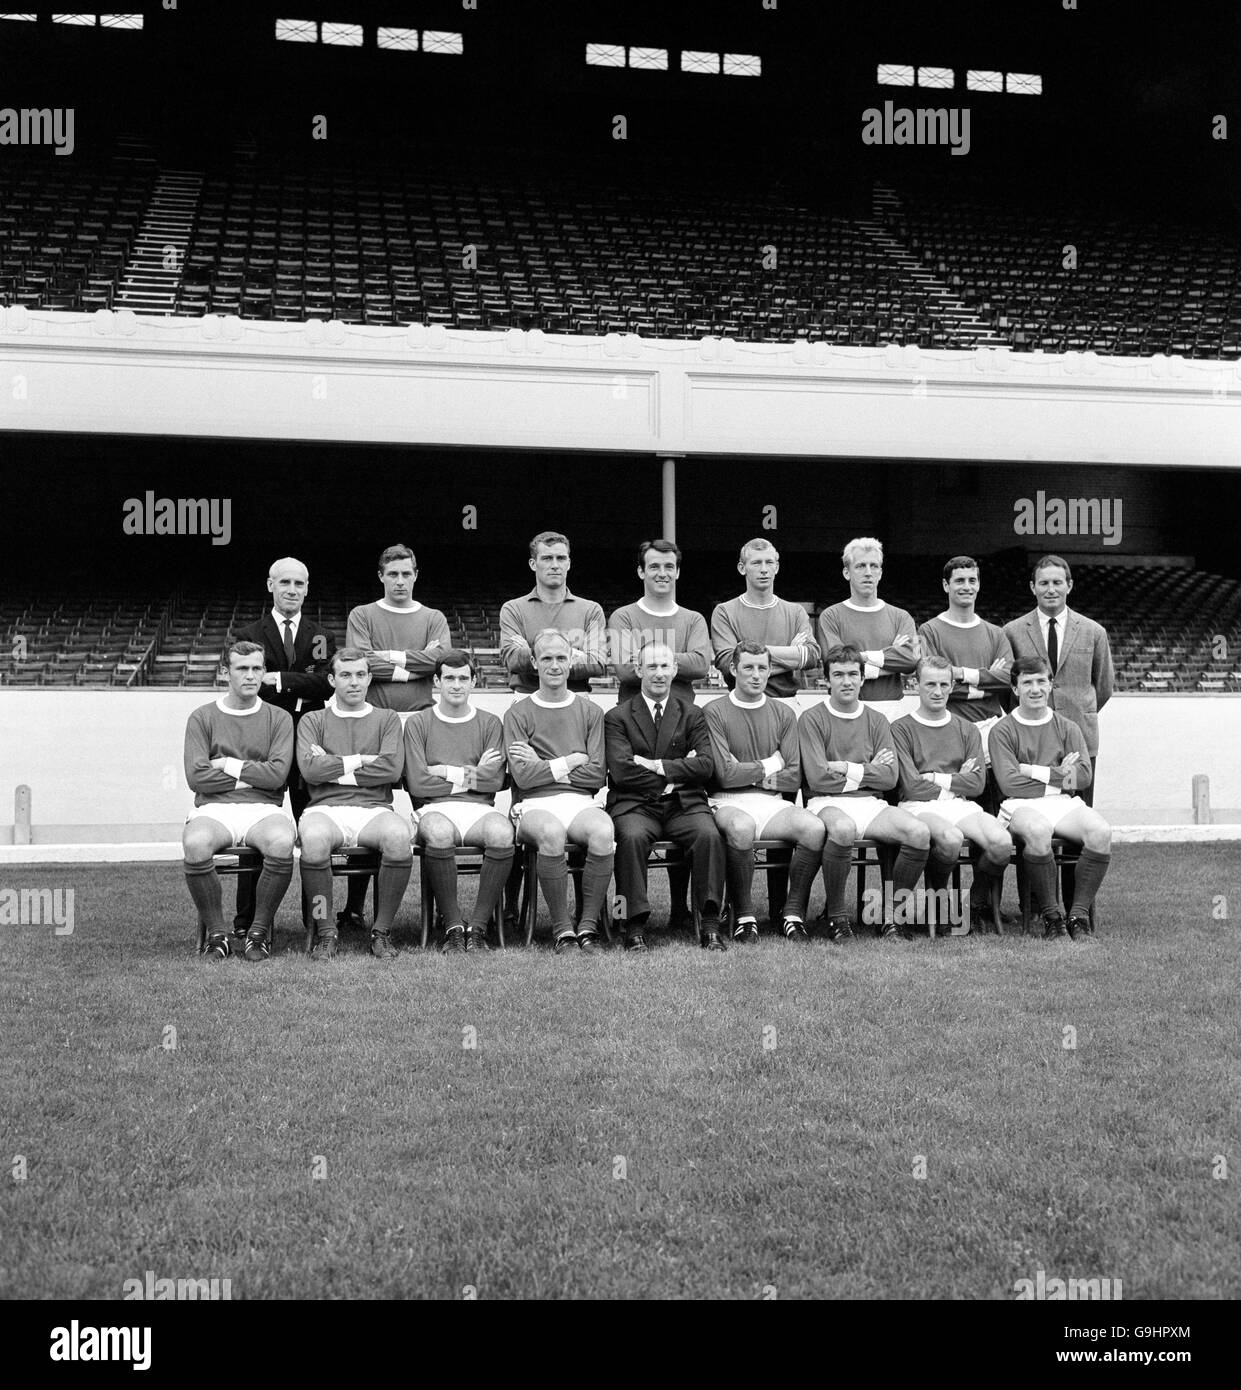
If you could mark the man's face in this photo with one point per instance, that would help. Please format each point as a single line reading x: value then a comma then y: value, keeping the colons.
x: 245, y: 675
x: 551, y: 566
x: 864, y: 572
x: 1051, y: 587
x: 659, y: 574
x: 844, y: 679
x: 934, y: 687
x: 760, y: 568
x: 752, y: 673
x: 454, y: 684
x: 398, y: 578
x: 350, y: 680
x: 1033, y: 692
x: 552, y: 663
x: 658, y: 668
x: 962, y: 586
x: 288, y: 587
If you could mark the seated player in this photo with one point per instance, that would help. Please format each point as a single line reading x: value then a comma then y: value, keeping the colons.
x: 238, y: 753
x: 757, y: 773
x: 883, y: 634
x: 659, y: 763
x: 554, y: 743
x: 1040, y: 763
x: 847, y: 761
x: 454, y: 766
x: 350, y: 756
x: 758, y: 616
x: 942, y: 771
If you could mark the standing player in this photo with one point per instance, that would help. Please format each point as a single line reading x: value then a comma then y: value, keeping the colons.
x: 454, y: 766
x: 551, y: 605
x: 1040, y: 761
x: 979, y: 654
x: 942, y: 774
x: 659, y: 763
x: 297, y: 653
x: 848, y: 759
x: 350, y: 756
x: 555, y: 748
x: 758, y: 616
x: 238, y: 752
x: 656, y: 617
x: 401, y: 639
x: 1076, y: 649
x: 757, y: 773
x: 883, y: 634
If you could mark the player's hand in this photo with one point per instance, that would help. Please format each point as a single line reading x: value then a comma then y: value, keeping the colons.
x: 968, y: 766
x: 218, y: 764
x: 647, y: 763
x: 439, y: 770
x: 769, y: 782
x: 999, y: 665
x: 368, y: 758
x: 318, y: 751
x: 521, y: 753
x: 576, y: 760
x: 270, y: 678
x: 490, y: 760
x: 928, y: 777
x: 884, y: 758
x: 837, y: 766
x: 1070, y: 760
x: 577, y: 657
x: 909, y: 645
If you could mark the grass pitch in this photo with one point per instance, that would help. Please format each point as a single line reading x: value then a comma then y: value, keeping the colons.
x: 925, y: 1120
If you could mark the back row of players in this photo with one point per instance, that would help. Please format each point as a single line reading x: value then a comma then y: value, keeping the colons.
x: 712, y: 779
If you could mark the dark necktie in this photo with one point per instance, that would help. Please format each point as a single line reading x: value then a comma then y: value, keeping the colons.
x: 288, y: 641
x: 659, y: 717
x: 1053, y: 645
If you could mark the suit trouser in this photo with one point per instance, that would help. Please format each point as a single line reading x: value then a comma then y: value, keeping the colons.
x: 693, y: 831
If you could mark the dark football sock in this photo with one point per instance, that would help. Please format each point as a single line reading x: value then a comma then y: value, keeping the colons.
x: 272, y: 885
x: 357, y: 884
x: 907, y: 869
x: 204, y: 885
x: 317, y: 893
x: 553, y: 876
x: 1041, y: 873
x: 442, y: 873
x: 491, y: 881
x: 739, y: 874
x: 595, y: 879
x: 393, y: 880
x: 1090, y: 870
x: 939, y: 869
x: 802, y: 869
x: 836, y: 861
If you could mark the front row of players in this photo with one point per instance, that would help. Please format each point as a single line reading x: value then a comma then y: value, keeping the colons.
x: 668, y: 765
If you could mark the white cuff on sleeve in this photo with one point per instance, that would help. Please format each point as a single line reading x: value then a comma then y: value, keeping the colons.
x: 347, y: 779
x: 870, y: 671
x: 233, y: 766
x: 971, y: 674
x: 398, y: 658
x: 456, y: 776
x: 352, y: 762
x: 399, y: 673
x: 771, y: 765
x: 873, y: 658
x: 853, y: 776
x: 560, y: 770
x: 943, y: 780
x: 1040, y: 773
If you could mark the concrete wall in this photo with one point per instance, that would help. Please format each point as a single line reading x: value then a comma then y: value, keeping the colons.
x: 106, y: 765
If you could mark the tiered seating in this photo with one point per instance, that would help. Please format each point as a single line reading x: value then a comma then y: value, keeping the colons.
x: 67, y: 229
x: 103, y: 644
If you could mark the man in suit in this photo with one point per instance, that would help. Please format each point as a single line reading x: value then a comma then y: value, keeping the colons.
x: 1076, y: 649
x: 298, y: 656
x: 659, y: 762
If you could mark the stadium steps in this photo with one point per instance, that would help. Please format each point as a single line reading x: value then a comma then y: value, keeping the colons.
x: 148, y: 285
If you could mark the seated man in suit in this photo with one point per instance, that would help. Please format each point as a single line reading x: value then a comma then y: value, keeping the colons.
x: 351, y: 756
x: 659, y: 763
x: 1040, y: 764
x: 757, y: 773
x: 298, y: 653
x: 554, y: 743
x: 942, y: 772
x: 454, y: 766
x: 238, y: 751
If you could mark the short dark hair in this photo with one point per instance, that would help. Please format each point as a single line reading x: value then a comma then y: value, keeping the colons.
x: 242, y: 648
x: 1028, y: 666
x: 1046, y: 562
x: 455, y: 656
x: 395, y: 552
x: 346, y: 654
x: 961, y: 562
x: 664, y: 547
x: 548, y: 538
x: 749, y: 649
x: 842, y: 653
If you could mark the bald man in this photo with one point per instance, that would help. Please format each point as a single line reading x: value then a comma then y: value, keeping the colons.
x: 298, y: 657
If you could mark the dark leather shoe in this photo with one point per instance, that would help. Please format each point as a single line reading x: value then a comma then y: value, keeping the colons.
x: 1078, y: 927
x: 713, y: 941
x: 589, y: 944
x: 635, y: 941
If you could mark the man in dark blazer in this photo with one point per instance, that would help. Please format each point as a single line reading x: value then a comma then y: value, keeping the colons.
x: 659, y: 762
x: 1082, y: 661
x: 299, y: 656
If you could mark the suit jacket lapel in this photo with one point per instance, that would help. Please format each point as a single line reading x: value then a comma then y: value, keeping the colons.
x: 276, y: 634
x: 646, y: 725
x: 668, y: 726
x: 1071, y: 628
